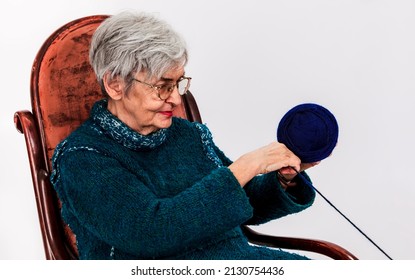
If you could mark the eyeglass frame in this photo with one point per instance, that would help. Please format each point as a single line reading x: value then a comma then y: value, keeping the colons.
x: 158, y: 88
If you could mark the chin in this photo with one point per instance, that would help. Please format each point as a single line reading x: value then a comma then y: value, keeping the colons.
x: 165, y: 123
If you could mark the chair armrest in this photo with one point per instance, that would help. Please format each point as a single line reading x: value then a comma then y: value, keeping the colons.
x: 46, y: 200
x: 60, y: 247
x: 329, y: 249
x: 24, y: 122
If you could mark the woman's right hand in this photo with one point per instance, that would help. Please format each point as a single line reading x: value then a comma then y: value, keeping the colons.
x: 266, y: 159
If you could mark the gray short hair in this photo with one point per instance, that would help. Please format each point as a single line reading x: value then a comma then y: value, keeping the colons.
x: 130, y: 42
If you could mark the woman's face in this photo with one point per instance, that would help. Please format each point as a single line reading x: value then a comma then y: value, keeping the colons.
x: 141, y: 108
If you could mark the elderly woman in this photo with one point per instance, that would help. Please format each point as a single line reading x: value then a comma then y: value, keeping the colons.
x: 137, y: 183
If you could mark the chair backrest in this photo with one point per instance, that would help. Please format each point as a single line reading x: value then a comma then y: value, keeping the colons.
x: 63, y: 90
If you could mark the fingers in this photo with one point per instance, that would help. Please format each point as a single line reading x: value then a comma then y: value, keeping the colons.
x: 276, y: 156
x: 288, y: 171
x: 303, y: 166
x: 293, y: 165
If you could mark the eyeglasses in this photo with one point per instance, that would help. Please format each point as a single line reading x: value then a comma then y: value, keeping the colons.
x: 164, y: 91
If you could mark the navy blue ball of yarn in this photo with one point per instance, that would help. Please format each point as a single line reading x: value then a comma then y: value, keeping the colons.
x: 310, y: 131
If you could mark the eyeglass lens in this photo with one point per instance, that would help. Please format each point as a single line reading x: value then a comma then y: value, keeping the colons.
x: 167, y: 90
x: 182, y: 86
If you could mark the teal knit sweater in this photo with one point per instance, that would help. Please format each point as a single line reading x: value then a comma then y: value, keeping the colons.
x: 168, y: 195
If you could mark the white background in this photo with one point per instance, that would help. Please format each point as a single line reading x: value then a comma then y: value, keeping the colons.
x: 251, y: 61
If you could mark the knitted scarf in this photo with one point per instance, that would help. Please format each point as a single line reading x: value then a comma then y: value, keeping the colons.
x: 121, y: 133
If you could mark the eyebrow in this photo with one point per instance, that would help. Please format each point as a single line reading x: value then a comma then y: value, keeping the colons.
x: 164, y: 79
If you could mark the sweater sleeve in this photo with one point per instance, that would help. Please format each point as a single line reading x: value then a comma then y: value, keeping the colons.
x: 269, y: 200
x: 117, y: 208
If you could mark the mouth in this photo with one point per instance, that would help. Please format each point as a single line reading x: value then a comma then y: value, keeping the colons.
x: 167, y: 113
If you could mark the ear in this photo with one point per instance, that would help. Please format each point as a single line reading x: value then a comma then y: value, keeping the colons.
x: 114, y: 86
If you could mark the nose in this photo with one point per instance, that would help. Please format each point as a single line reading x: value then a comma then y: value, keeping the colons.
x: 175, y: 98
